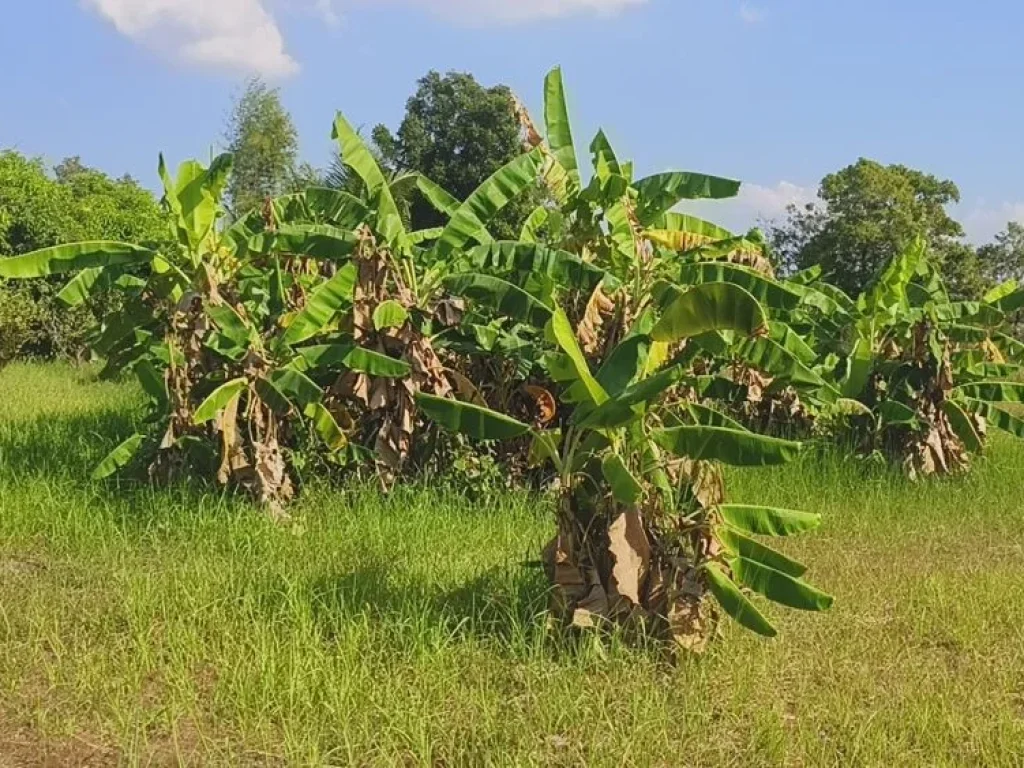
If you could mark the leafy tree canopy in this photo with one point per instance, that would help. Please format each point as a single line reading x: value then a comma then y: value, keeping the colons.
x: 261, y: 136
x: 867, y: 214
x: 457, y: 133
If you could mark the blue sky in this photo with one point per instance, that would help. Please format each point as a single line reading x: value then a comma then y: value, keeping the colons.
x: 775, y: 92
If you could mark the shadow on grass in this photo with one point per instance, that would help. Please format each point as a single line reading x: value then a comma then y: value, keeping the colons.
x: 62, y: 446
x: 505, y: 605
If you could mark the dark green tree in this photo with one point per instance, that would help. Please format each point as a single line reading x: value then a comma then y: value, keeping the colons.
x: 866, y: 214
x: 457, y: 133
x: 263, y: 139
x: 1003, y: 259
x: 38, y: 210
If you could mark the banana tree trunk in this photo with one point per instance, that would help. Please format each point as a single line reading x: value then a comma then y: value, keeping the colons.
x: 631, y: 566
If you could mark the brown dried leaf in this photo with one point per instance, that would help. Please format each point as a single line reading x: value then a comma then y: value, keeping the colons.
x: 631, y: 552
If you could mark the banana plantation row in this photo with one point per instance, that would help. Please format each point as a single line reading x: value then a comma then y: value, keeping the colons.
x: 629, y: 349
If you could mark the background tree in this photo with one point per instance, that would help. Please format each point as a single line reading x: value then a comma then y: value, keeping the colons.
x: 263, y: 139
x: 457, y: 133
x: 1003, y: 259
x: 866, y: 214
x: 38, y: 210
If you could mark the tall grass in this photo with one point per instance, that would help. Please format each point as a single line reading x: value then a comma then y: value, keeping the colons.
x: 178, y: 625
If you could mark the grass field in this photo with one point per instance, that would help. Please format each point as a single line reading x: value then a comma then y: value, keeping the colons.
x: 165, y: 627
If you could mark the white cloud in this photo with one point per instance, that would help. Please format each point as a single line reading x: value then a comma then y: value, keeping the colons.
x: 982, y: 221
x: 751, y: 14
x: 754, y: 204
x: 511, y: 11
x: 234, y: 34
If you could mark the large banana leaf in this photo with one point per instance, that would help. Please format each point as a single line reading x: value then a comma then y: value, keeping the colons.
x: 357, y: 156
x: 709, y: 417
x: 998, y: 418
x: 317, y: 241
x: 770, y: 293
x: 505, y: 297
x: 626, y: 489
x: 321, y: 306
x: 659, y: 193
x: 505, y: 258
x: 708, y: 307
x: 93, y: 280
x: 735, y: 603
x: 768, y: 521
x: 556, y: 120
x: 743, y: 546
x: 507, y: 183
x: 779, y: 587
x: 765, y: 355
x: 730, y: 446
x: 561, y: 330
x: 448, y: 204
x: 992, y: 391
x: 476, y: 421
x: 72, y: 256
x: 625, y: 363
x: 326, y: 426
x: 194, y: 197
x: 120, y: 457
x: 963, y: 426
x: 295, y: 386
x: 219, y: 399
x: 332, y: 357
x: 619, y: 410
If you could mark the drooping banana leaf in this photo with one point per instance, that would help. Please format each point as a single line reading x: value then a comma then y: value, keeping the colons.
x: 507, y: 183
x: 501, y: 295
x: 779, y: 587
x: 73, y: 256
x: 735, y: 603
x: 730, y: 446
x: 659, y: 193
x: 708, y: 307
x: 473, y: 420
x: 118, y: 458
x: 321, y: 306
x: 768, y: 521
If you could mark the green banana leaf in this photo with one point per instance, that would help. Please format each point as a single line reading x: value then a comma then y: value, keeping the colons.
x: 963, y: 426
x: 503, y: 258
x: 118, y: 458
x: 708, y: 307
x: 768, y: 521
x: 504, y: 185
x: 317, y: 241
x: 770, y: 293
x: 992, y: 391
x: 321, y: 306
x: 73, y: 256
x: 219, y: 399
x: 658, y: 193
x: 556, y: 120
x: 326, y: 427
x: 468, y: 419
x: 730, y: 446
x: 779, y: 587
x: 743, y: 546
x: 565, y: 337
x: 735, y: 603
x: 357, y: 156
x: 504, y: 297
x: 625, y: 488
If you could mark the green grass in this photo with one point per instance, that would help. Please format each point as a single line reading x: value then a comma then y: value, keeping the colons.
x: 158, y: 627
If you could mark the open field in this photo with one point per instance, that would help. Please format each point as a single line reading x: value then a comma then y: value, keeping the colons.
x: 158, y: 627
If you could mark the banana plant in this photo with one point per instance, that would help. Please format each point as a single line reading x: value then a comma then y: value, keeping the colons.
x: 645, y: 537
x: 212, y: 328
x: 920, y: 376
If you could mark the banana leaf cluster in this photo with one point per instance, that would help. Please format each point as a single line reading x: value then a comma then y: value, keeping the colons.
x: 602, y: 343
